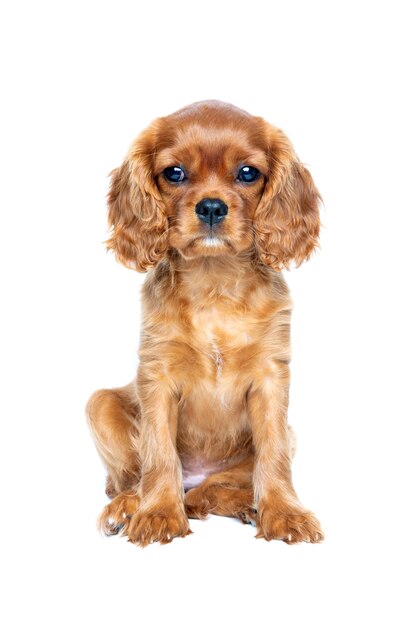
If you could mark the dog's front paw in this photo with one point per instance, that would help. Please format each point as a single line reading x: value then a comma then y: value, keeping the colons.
x: 116, y: 516
x: 161, y: 525
x: 290, y: 524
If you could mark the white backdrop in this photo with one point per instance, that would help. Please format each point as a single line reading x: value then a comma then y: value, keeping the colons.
x: 79, y: 81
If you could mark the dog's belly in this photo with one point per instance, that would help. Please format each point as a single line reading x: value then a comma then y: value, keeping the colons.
x: 213, y: 432
x: 196, y: 468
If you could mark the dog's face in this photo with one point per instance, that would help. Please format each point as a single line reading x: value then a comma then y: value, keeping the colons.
x: 212, y: 180
x: 211, y: 176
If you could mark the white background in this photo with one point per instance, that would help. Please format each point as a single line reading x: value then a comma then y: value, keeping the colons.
x: 79, y: 81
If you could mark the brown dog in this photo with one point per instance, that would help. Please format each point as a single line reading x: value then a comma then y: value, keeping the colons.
x: 214, y: 203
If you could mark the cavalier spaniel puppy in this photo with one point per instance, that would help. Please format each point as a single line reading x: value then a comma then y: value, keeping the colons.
x: 212, y: 202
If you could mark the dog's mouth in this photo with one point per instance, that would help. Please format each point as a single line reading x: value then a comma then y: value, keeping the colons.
x: 212, y: 240
x: 208, y: 244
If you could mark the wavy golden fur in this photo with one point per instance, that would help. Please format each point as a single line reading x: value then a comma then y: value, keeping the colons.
x: 203, y: 427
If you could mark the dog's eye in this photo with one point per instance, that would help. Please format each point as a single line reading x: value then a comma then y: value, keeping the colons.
x: 174, y: 174
x: 248, y: 174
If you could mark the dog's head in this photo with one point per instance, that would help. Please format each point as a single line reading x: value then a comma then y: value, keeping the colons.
x: 212, y: 180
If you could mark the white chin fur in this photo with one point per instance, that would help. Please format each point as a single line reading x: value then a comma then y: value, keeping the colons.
x: 212, y: 241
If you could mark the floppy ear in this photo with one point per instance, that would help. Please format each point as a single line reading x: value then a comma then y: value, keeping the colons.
x: 287, y: 221
x: 137, y: 217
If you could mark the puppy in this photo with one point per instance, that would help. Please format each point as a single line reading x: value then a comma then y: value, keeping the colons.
x: 212, y: 202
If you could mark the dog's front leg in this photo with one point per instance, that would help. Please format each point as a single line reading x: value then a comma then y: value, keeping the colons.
x: 280, y: 513
x: 161, y: 514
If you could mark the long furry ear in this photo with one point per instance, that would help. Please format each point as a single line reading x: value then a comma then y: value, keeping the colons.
x: 287, y: 221
x: 137, y: 217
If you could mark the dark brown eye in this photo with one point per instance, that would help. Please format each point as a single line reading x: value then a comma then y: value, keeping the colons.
x: 248, y: 174
x: 174, y: 174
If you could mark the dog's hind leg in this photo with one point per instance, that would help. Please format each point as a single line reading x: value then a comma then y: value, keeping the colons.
x: 113, y: 415
x: 228, y: 493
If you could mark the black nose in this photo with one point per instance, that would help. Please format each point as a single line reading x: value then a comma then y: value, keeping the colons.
x: 211, y: 210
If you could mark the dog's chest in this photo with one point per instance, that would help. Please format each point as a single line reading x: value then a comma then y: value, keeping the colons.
x: 219, y: 336
x: 214, y: 384
x: 223, y: 343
